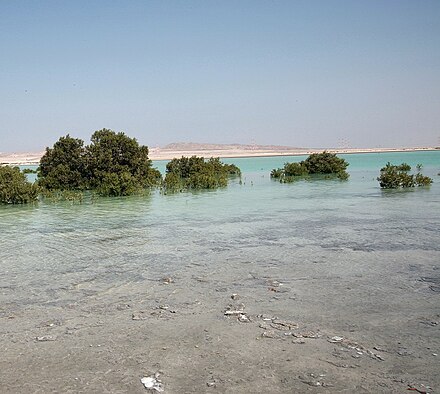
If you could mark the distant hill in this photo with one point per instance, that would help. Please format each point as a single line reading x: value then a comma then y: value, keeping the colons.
x: 194, y: 146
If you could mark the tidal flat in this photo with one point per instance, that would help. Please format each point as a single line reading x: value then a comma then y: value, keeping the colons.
x: 335, y: 285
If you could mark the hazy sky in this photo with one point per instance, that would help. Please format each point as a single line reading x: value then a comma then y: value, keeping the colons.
x: 301, y: 73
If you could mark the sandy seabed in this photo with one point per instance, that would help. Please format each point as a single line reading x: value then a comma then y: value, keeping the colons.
x: 315, y: 327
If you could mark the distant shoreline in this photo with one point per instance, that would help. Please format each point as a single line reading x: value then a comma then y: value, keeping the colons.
x: 33, y: 158
x: 226, y: 154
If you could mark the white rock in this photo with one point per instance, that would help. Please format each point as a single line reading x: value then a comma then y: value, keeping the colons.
x: 152, y: 383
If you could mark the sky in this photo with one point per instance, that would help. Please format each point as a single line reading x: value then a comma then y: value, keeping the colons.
x: 306, y: 73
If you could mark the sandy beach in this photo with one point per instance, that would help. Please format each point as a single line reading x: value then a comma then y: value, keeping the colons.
x: 211, y: 150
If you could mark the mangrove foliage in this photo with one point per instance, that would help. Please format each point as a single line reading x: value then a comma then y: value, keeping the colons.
x: 15, y: 188
x: 397, y: 176
x: 195, y: 172
x: 325, y: 164
x: 113, y: 164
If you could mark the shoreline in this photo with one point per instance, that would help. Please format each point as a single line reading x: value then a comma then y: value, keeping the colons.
x: 157, y: 154
x: 257, y: 153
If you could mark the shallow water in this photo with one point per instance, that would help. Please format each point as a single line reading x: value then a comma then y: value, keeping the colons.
x: 119, y: 239
x: 352, y: 259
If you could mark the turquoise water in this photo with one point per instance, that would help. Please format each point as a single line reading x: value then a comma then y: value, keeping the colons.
x: 122, y: 239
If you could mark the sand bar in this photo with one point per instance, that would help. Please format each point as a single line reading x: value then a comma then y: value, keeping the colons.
x: 225, y: 151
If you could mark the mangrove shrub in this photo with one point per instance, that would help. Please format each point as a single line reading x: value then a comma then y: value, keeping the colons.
x: 117, y: 165
x: 325, y: 163
x: 112, y: 165
x: 396, y: 176
x: 197, y: 173
x: 15, y: 188
x: 63, y: 167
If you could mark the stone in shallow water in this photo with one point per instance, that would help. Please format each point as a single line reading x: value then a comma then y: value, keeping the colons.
x: 243, y: 318
x: 46, y: 338
x: 152, y: 383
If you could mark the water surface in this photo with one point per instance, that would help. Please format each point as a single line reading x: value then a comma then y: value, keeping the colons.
x: 354, y: 260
